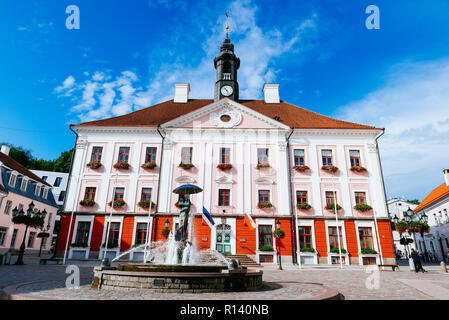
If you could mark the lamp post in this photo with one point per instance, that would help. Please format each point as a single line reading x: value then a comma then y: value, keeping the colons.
x: 423, y: 219
x: 278, y: 236
x: 31, y: 219
x: 44, y: 231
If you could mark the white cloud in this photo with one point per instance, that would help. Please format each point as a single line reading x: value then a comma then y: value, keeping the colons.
x: 66, y: 84
x: 413, y: 106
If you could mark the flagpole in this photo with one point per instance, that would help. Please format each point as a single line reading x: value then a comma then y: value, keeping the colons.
x: 338, y: 229
x: 110, y: 217
x: 148, y: 229
x: 297, y: 239
x: 74, y: 205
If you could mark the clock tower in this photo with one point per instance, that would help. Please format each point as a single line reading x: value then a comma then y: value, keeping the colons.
x: 226, y: 64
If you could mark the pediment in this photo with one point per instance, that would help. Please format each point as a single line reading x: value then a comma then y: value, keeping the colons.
x: 185, y: 179
x: 224, y: 180
x: 264, y: 180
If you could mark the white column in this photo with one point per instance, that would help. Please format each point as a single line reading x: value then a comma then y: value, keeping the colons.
x: 375, y: 177
x: 165, y: 176
x: 284, y: 201
x: 315, y: 167
x: 344, y: 181
x: 208, y: 177
x: 239, y: 159
x: 247, y: 178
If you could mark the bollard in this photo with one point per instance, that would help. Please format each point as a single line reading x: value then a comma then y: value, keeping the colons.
x: 443, y: 266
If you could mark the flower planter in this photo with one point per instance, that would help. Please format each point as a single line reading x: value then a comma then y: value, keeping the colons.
x: 260, y: 166
x: 224, y: 166
x: 368, y: 251
x: 117, y: 203
x: 301, y: 168
x: 266, y: 248
x: 149, y: 165
x: 263, y: 205
x: 329, y: 168
x: 165, y: 232
x: 94, y: 165
x: 122, y: 165
x: 357, y: 169
x: 362, y: 207
x: 332, y: 207
x: 87, y: 203
x: 146, y: 204
x: 303, y: 206
x: 308, y: 256
x: 186, y: 166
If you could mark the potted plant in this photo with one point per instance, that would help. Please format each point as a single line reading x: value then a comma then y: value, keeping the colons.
x: 262, y: 205
x: 312, y: 250
x: 357, y: 169
x: 303, y: 206
x: 165, y: 232
x: 87, y: 202
x: 94, y: 164
x: 117, y: 203
x: 266, y: 248
x: 329, y: 168
x: 224, y: 166
x: 335, y: 250
x: 262, y: 165
x: 278, y: 233
x: 149, y: 165
x: 331, y: 206
x: 368, y: 251
x: 417, y: 226
x: 186, y: 166
x: 121, y: 165
x: 301, y: 168
x: 401, y: 227
x: 146, y: 204
x: 362, y: 207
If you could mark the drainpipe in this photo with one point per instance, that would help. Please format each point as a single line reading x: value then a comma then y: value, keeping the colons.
x: 385, y: 195
x: 154, y: 224
x: 293, y: 225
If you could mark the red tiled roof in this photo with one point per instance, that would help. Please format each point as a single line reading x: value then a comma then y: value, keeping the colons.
x: 13, y: 164
x: 289, y: 114
x: 435, y: 195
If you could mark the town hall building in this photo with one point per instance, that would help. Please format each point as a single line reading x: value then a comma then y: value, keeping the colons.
x: 265, y: 160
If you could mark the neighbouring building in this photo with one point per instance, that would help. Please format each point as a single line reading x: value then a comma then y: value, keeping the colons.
x: 396, y: 208
x: 266, y: 158
x: 436, y: 207
x: 58, y: 181
x: 18, y: 188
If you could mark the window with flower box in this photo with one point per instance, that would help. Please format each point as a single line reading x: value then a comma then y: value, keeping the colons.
x: 96, y: 154
x: 225, y: 155
x: 305, y: 237
x: 301, y: 197
x: 186, y: 155
x: 141, y: 233
x: 150, y: 154
x: 89, y: 194
x: 224, y: 196
x: 119, y: 193
x: 265, y: 236
x: 333, y: 237
x: 366, y: 238
x: 326, y: 156
x: 146, y: 194
x: 114, y: 234
x: 354, y: 156
x: 262, y: 156
x: 330, y: 195
x: 82, y: 233
x: 264, y: 196
x: 123, y: 154
x: 299, y: 157
x: 360, y: 198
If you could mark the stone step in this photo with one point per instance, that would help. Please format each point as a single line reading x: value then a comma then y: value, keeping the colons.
x: 244, y: 260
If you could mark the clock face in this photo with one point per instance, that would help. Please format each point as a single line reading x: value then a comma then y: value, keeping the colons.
x: 226, y: 91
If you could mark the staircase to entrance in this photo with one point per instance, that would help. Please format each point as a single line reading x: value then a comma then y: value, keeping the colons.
x: 245, y: 260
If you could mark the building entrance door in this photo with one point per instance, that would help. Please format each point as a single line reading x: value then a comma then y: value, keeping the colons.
x: 223, y: 238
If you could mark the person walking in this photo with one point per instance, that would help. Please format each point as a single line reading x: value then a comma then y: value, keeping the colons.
x: 417, y: 261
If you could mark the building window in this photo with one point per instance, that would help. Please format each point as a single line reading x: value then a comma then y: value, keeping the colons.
x: 366, y: 238
x: 369, y: 261
x: 119, y: 193
x: 225, y: 155
x: 265, y: 236
x: 150, y: 154
x: 90, y: 193
x: 301, y: 197
x: 141, y: 233
x: 38, y: 190
x: 333, y: 237
x: 305, y: 237
x: 13, y: 238
x: 123, y: 154
x: 264, y: 196
x: 330, y: 197
x: 299, y: 157
x: 45, y: 193
x: 61, y: 196
x: 8, y: 206
x: 57, y: 182
x: 21, y: 208
x: 146, y: 194
x: 360, y: 198
x: 224, y: 196
x: 264, y: 258
x: 96, y: 154
x: 262, y: 156
x: 354, y: 156
x: 31, y: 239
x: 23, y: 185
x: 82, y: 233
x: 326, y: 156
x: 3, y: 232
x: 44, y: 178
x: 12, y: 180
x: 114, y: 233
x: 186, y: 155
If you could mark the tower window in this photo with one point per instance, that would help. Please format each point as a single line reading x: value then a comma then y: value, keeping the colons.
x: 226, y: 76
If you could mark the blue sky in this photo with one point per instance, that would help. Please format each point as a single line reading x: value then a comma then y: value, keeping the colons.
x: 128, y: 54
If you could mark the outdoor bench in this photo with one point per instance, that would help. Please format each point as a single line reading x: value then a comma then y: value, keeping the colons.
x: 44, y: 261
x: 393, y: 266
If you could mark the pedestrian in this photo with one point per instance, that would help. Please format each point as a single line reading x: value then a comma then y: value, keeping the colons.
x: 417, y: 261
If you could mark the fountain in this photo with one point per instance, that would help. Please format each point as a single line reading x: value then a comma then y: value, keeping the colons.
x: 176, y: 265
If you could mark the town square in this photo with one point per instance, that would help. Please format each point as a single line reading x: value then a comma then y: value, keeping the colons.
x: 241, y: 151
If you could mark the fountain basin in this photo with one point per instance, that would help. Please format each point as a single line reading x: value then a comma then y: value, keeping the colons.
x: 176, y: 278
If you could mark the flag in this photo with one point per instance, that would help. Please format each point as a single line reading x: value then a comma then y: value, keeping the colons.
x: 208, y: 218
x: 250, y: 222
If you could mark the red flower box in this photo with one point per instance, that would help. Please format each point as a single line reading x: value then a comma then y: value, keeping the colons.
x: 262, y: 165
x: 224, y: 166
x: 301, y: 168
x: 329, y: 168
x: 149, y: 165
x: 94, y: 165
x: 122, y: 165
x: 357, y: 169
x: 262, y: 205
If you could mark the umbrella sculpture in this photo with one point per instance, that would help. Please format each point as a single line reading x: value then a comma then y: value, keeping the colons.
x: 184, y: 205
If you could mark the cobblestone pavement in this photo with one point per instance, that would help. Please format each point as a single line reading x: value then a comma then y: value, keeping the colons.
x: 351, y: 282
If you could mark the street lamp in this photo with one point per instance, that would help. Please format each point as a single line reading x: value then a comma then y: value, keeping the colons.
x: 167, y: 224
x: 278, y: 236
x: 424, y: 219
x: 31, y: 219
x: 395, y: 219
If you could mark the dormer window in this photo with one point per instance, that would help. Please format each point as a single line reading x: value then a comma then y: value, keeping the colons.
x: 38, y: 190
x: 45, y: 193
x: 23, y: 185
x: 12, y: 180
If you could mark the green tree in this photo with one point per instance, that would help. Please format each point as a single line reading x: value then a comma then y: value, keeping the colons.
x: 21, y: 155
x: 414, y: 201
x: 62, y: 164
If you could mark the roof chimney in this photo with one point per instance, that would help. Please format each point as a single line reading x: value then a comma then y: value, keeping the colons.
x: 5, y: 149
x: 181, y: 92
x: 271, y: 92
x: 446, y: 176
